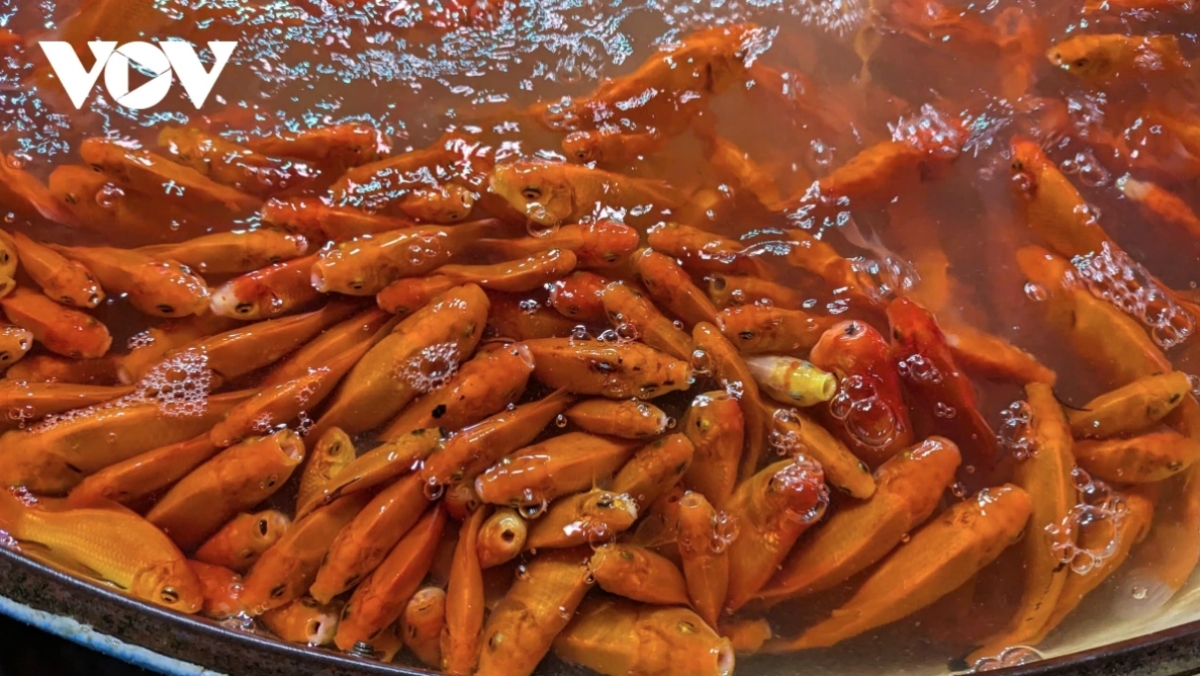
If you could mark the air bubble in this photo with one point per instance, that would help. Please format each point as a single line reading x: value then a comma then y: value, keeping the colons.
x: 1012, y: 656
x: 432, y: 368
x: 560, y: 420
x: 1112, y: 275
x: 1036, y: 292
x: 1016, y: 432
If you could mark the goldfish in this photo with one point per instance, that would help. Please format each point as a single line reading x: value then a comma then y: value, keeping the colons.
x: 501, y: 537
x: 513, y: 276
x: 792, y: 381
x: 940, y: 557
x: 369, y: 326
x: 157, y: 287
x: 611, y: 147
x: 766, y: 329
x: 117, y: 546
x: 231, y: 252
x: 626, y: 419
x: 241, y: 541
x: 716, y: 427
x: 378, y: 465
x: 15, y: 342
x: 233, y: 165
x: 556, y: 467
x: 316, y: 219
x: 48, y: 368
x: 908, y: 489
x: 23, y: 194
x: 29, y: 401
x: 333, y: 452
x: 1106, y: 58
x: 930, y: 374
x: 305, y: 621
x: 275, y: 290
x: 282, y: 404
x: 1145, y: 458
x: 793, y: 431
x: 734, y: 165
x: 365, y: 265
x: 598, y: 245
x: 701, y: 252
x: 222, y: 589
x: 1053, y: 207
x: 632, y: 314
x: 476, y: 447
x: 381, y: 598
x: 235, y: 480
x: 95, y: 204
x: 704, y: 557
x: 251, y: 347
x: 286, y: 570
x: 487, y: 384
x: 364, y: 543
x: 585, y: 518
x: 554, y: 193
x: 150, y: 174
x: 333, y: 148
x: 53, y: 458
x: 131, y: 481
x: 419, y: 353
x: 1131, y: 408
x: 728, y: 291
x: 705, y: 63
x: 819, y: 258
x: 464, y: 602
x: 731, y: 372
x: 378, y: 185
x: 1047, y: 475
x: 655, y: 469
x: 861, y: 359
x: 670, y: 286
x: 523, y: 625
x: 772, y: 509
x: 511, y: 318
x: 158, y: 340
x: 60, y: 329
x: 447, y: 203
x: 422, y: 625
x: 630, y: 370
x: 987, y: 355
x: 615, y: 637
x: 67, y: 281
x: 639, y: 574
x: 1159, y: 204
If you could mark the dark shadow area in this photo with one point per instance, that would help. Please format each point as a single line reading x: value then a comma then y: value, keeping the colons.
x: 30, y: 652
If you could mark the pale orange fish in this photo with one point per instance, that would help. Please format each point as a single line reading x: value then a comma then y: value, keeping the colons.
x: 60, y: 329
x: 24, y: 195
x: 117, y: 545
x: 1109, y: 57
x: 334, y: 148
x: 611, y: 146
x: 160, y: 288
x: 232, y: 252
x: 233, y: 165
x: 273, y: 291
x: 553, y: 193
x: 65, y: 280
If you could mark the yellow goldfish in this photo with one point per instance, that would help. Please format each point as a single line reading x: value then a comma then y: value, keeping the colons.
x: 1108, y: 57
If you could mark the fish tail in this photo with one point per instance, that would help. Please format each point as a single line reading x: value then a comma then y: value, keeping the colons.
x: 12, y: 513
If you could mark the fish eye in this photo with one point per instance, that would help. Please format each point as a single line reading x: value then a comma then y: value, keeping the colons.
x: 244, y: 308
x: 278, y: 591
x: 165, y: 309
x: 1080, y: 63
x: 97, y: 168
x: 531, y: 193
x: 5, y: 356
x: 66, y: 300
x: 1018, y: 165
x: 604, y: 503
x: 746, y: 335
x: 4, y: 256
x: 169, y: 595
x: 70, y: 199
x: 263, y: 527
x: 357, y: 285
x: 581, y: 154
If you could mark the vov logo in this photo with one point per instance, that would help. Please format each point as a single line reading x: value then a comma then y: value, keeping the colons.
x: 157, y: 61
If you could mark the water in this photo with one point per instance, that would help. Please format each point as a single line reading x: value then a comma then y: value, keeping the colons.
x: 955, y: 85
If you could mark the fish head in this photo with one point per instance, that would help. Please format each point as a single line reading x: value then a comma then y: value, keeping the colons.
x: 912, y: 326
x: 269, y: 526
x: 14, y: 343
x: 1084, y: 56
x: 1027, y: 163
x: 244, y: 298
x: 300, y: 215
x: 345, y: 269
x: 79, y: 188
x: 603, y: 514
x: 582, y: 147
x: 540, y: 190
x: 607, y: 243
x: 171, y: 584
x: 797, y: 487
x: 169, y: 289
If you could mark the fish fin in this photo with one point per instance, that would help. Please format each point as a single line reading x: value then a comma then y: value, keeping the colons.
x: 1066, y: 405
x: 77, y: 500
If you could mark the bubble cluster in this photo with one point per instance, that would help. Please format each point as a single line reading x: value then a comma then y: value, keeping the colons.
x: 432, y: 368
x: 179, y: 385
x: 930, y: 131
x: 1097, y: 507
x: 1011, y: 656
x: 1114, y: 276
x: 785, y: 443
x: 869, y: 419
x: 1015, y: 432
x: 1089, y: 170
x: 139, y: 340
x: 917, y: 367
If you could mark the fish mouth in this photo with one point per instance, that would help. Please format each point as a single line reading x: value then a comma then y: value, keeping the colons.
x: 318, y: 279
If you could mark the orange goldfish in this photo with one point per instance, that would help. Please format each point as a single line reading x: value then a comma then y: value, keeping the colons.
x: 554, y: 193
x: 117, y: 545
x: 67, y: 281
x: 270, y: 292
x: 231, y: 252
x: 157, y: 287
x: 1105, y: 58
x: 62, y: 330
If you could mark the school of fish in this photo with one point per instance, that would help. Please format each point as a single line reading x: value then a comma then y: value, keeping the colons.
x: 467, y: 410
